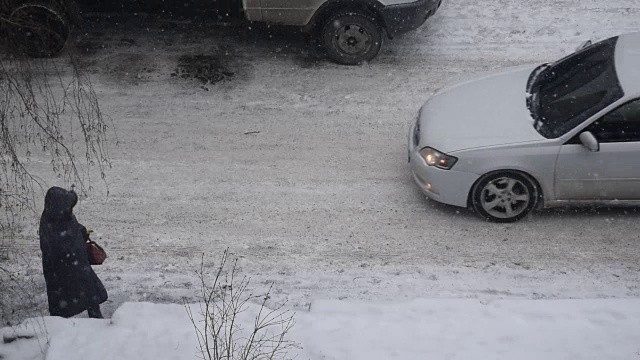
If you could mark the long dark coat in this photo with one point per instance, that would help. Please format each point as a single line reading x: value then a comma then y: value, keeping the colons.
x: 72, y: 286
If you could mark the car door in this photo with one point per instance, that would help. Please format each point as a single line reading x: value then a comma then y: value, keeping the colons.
x: 208, y: 9
x: 289, y: 12
x: 613, y: 172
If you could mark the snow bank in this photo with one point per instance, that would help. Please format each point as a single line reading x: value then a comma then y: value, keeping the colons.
x: 332, y: 329
x: 469, y: 329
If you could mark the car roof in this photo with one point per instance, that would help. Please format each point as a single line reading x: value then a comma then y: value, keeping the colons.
x: 627, y: 57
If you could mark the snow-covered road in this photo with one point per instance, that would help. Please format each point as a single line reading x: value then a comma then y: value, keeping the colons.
x: 299, y: 165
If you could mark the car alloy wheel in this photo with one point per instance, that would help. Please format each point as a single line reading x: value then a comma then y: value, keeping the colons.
x: 505, y: 196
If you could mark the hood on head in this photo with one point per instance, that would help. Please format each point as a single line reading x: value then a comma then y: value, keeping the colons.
x: 59, y: 202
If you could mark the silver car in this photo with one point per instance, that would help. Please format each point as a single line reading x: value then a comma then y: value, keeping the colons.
x: 535, y: 136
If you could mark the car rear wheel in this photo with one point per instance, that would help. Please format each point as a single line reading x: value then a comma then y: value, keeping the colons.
x: 38, y: 29
x: 504, y: 196
x: 351, y: 37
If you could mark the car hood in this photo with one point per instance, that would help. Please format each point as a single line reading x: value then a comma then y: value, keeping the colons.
x: 487, y: 111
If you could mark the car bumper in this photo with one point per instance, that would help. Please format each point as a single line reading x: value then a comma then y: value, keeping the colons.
x: 399, y: 19
x: 445, y: 186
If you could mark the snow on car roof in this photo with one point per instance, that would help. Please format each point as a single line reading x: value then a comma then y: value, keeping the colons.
x: 628, y: 63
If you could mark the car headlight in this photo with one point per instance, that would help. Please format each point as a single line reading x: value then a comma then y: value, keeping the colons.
x: 435, y: 158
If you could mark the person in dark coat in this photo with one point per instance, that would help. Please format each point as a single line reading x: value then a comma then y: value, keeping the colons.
x: 72, y: 285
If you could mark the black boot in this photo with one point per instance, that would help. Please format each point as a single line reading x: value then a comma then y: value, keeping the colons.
x: 94, y: 312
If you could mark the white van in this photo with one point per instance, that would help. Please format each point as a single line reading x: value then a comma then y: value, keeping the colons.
x: 350, y: 31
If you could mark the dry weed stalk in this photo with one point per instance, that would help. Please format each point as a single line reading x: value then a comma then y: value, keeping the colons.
x: 220, y: 334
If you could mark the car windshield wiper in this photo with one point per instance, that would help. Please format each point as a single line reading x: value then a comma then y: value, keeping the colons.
x: 532, y: 89
x: 535, y: 76
x: 534, y: 110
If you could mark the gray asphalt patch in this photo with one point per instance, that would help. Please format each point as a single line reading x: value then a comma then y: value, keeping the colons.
x: 209, y: 69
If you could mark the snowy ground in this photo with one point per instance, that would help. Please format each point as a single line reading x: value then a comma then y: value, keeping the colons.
x: 299, y: 166
x: 338, y: 330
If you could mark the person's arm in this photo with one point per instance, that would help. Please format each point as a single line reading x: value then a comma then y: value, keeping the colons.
x: 85, y: 233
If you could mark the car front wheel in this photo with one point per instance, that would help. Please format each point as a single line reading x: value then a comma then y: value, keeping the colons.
x: 504, y: 196
x: 351, y: 37
x: 38, y: 29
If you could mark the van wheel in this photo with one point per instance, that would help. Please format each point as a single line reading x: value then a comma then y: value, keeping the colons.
x: 351, y: 37
x: 38, y: 29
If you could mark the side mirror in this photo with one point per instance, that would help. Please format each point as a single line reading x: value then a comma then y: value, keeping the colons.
x: 589, y: 141
x: 584, y: 45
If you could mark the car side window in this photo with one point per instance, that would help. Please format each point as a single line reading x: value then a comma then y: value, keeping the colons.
x: 620, y: 125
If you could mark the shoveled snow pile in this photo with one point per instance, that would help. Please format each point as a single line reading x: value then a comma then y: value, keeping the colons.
x: 333, y: 329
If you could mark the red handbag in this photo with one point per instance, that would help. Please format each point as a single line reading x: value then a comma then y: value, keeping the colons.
x: 95, y: 253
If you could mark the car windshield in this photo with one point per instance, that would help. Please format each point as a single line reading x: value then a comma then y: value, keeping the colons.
x: 576, y: 87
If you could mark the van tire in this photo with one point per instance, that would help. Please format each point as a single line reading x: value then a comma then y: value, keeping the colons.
x: 39, y: 29
x: 351, y: 37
